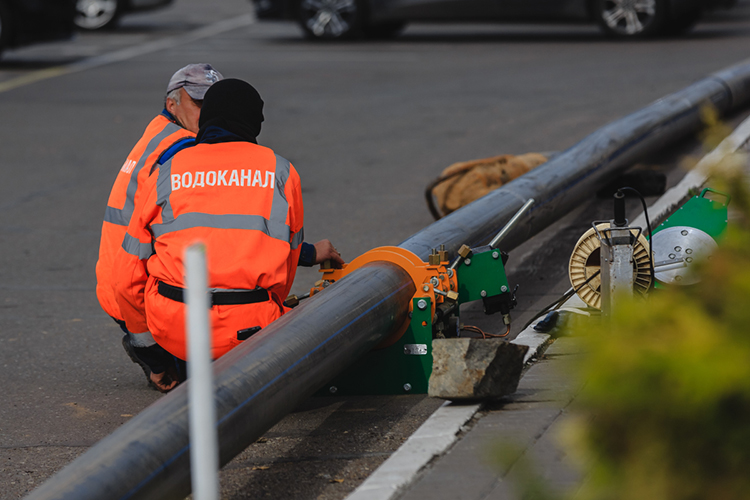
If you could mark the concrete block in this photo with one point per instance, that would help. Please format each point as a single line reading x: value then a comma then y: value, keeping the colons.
x: 469, y: 368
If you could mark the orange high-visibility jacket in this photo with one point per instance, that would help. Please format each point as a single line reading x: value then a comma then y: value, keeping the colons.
x: 159, y: 136
x: 245, y: 204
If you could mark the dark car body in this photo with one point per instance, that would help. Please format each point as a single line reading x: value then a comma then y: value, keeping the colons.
x: 27, y: 21
x: 399, y: 12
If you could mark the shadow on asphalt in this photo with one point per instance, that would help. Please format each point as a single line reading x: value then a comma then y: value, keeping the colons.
x: 351, y: 429
x: 508, y: 38
x: 131, y: 28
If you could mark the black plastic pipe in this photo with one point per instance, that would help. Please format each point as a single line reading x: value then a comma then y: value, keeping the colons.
x: 257, y: 384
x: 267, y: 376
x: 559, y: 185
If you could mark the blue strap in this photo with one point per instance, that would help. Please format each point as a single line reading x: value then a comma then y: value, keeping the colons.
x: 168, y: 115
x: 175, y: 148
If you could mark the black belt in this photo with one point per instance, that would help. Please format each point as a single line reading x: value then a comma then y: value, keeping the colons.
x: 217, y: 298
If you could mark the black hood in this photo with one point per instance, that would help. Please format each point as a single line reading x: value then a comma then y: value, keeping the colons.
x: 231, y: 108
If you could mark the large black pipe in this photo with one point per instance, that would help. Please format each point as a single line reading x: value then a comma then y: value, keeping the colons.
x: 560, y: 185
x: 256, y: 385
x: 267, y: 376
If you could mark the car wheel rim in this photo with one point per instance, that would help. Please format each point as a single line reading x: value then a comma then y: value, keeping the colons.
x: 628, y: 17
x: 329, y: 18
x: 93, y: 14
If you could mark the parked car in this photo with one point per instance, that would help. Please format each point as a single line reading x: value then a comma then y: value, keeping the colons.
x: 26, y: 21
x: 338, y: 19
x: 104, y: 14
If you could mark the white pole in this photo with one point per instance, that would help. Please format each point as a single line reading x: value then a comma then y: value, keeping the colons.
x: 204, y: 449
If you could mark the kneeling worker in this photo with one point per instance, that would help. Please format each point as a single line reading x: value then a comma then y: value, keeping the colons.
x: 243, y: 202
x: 173, y: 129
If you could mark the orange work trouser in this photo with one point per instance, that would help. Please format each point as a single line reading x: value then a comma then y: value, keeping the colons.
x: 166, y: 321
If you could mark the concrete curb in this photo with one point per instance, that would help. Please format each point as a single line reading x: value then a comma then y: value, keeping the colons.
x: 536, y: 341
x: 697, y: 178
x: 433, y: 438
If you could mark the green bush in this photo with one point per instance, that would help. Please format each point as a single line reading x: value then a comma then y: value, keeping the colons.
x: 665, y: 411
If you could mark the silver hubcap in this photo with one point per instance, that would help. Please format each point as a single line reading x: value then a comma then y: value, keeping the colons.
x: 92, y: 14
x: 329, y: 17
x: 628, y: 17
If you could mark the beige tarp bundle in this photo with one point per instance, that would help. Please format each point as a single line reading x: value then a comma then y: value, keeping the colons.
x: 464, y: 182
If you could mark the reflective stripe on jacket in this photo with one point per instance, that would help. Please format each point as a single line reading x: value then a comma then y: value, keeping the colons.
x: 245, y: 204
x: 160, y: 134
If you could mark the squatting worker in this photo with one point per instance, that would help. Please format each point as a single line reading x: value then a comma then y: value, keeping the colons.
x: 243, y: 202
x: 174, y: 128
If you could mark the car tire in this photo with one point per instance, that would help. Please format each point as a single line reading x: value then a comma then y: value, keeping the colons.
x: 331, y: 19
x: 92, y: 15
x: 631, y: 18
x: 383, y: 31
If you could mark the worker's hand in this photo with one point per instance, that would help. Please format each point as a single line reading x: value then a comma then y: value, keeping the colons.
x: 164, y: 382
x: 324, y: 251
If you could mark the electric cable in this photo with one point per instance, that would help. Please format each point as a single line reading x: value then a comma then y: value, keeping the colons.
x: 476, y: 329
x: 556, y: 304
x: 650, y: 235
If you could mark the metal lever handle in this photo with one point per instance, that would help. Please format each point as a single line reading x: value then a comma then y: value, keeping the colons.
x: 511, y: 223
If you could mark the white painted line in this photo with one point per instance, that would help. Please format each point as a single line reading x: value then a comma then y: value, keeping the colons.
x: 432, y: 439
x: 130, y: 52
x: 696, y: 178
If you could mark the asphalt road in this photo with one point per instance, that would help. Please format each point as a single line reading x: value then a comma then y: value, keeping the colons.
x: 367, y: 125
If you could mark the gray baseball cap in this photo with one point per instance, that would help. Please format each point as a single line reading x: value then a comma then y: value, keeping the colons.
x: 195, y: 79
